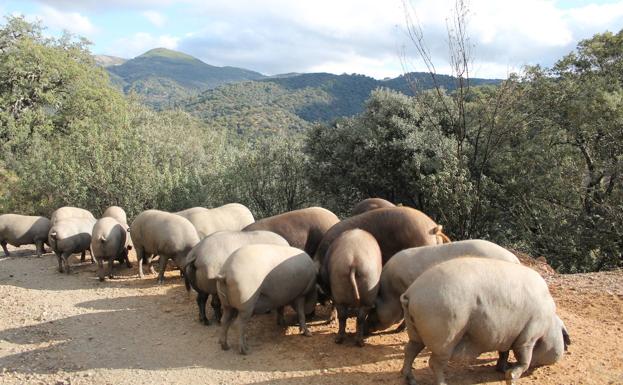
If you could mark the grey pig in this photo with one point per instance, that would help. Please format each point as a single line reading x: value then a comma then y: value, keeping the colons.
x: 161, y: 233
x: 467, y: 306
x: 259, y: 278
x: 204, y: 262
x: 20, y: 230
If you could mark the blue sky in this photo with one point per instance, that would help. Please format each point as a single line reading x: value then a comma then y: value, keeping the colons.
x: 352, y: 36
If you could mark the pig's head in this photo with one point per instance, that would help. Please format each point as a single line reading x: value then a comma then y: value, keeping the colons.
x: 551, y: 347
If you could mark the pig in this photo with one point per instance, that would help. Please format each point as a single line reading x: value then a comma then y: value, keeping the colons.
x: 353, y: 267
x: 259, y: 278
x: 70, y: 212
x: 116, y: 212
x: 394, y: 228
x: 18, y: 230
x: 161, y: 233
x: 68, y: 236
x: 302, y: 228
x: 233, y: 217
x: 370, y: 204
x: 467, y: 306
x: 407, y: 265
x: 204, y: 262
x: 109, y: 241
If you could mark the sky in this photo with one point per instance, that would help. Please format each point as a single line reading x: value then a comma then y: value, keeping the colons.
x: 337, y: 36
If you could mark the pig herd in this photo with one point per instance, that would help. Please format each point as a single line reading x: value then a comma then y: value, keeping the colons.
x: 383, y: 265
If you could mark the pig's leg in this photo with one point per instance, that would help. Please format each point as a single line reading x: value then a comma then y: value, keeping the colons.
x: 502, y: 363
x: 83, y: 255
x: 126, y: 255
x: 65, y: 257
x: 362, y: 313
x: 6, y: 251
x: 438, y: 364
x: 331, y: 315
x: 92, y: 257
x: 300, y: 311
x: 202, y: 298
x: 100, y: 269
x: 60, y: 262
x: 281, y: 321
x: 228, y: 316
x: 140, y: 255
x: 162, y: 265
x: 412, y: 349
x: 342, y: 314
x: 110, y: 263
x: 39, y: 247
x: 216, y: 306
x: 151, y: 266
x: 242, y: 320
x: 523, y: 354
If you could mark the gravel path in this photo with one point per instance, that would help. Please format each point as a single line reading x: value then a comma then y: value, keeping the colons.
x: 72, y: 329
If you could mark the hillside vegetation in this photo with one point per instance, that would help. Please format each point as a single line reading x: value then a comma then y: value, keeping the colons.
x: 533, y: 163
x: 162, y: 76
x: 293, y: 103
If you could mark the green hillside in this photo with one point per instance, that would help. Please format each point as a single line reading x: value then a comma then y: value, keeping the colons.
x: 295, y: 102
x: 256, y: 108
x: 163, y: 76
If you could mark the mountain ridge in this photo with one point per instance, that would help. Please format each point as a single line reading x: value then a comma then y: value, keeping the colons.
x: 246, y: 101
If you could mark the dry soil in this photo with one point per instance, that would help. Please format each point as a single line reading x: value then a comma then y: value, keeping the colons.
x: 72, y: 329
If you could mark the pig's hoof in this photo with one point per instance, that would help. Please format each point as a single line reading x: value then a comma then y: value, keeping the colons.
x: 128, y: 265
x: 511, y: 376
x: 307, y: 333
x: 360, y: 343
x: 339, y: 339
x: 101, y: 279
x: 244, y: 350
x: 206, y: 321
x: 224, y: 346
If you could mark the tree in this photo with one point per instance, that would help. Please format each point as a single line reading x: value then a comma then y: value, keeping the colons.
x: 70, y: 138
x: 268, y: 176
x: 392, y: 152
x: 574, y: 147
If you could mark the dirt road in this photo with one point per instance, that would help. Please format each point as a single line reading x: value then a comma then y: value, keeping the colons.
x: 72, y: 329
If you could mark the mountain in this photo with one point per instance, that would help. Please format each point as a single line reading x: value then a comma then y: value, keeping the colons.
x: 248, y: 102
x: 108, y: 61
x: 163, y: 76
x: 294, y: 103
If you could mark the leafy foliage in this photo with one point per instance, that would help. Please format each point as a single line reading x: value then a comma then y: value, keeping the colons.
x: 535, y: 162
x: 69, y: 138
x: 293, y: 102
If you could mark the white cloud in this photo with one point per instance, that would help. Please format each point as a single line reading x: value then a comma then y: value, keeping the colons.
x: 156, y: 18
x: 596, y: 17
x: 274, y: 36
x: 141, y: 42
x: 70, y: 21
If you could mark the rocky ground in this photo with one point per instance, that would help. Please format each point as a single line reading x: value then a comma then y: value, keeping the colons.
x: 72, y: 329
